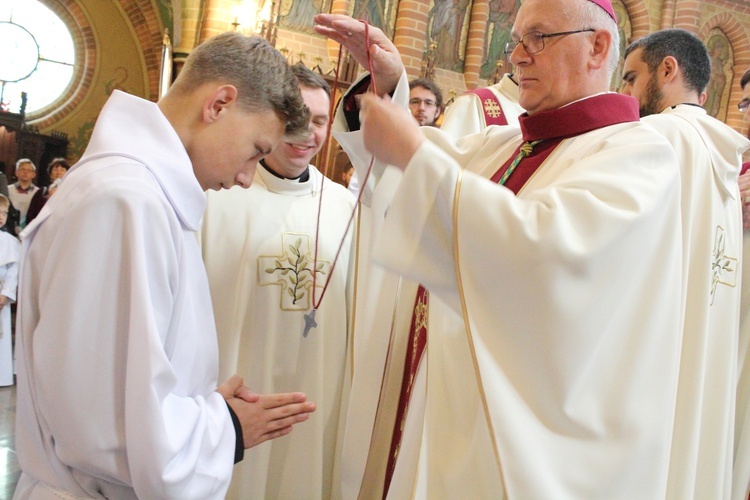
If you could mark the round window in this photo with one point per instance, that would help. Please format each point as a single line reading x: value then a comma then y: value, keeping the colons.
x: 38, y: 55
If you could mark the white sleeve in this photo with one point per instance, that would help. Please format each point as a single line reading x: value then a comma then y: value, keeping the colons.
x: 353, y: 143
x: 11, y: 281
x: 464, y: 116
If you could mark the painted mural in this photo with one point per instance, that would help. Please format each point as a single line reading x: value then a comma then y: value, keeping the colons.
x: 380, y: 13
x: 501, y: 18
x: 298, y: 14
x: 447, y: 29
x: 719, y: 87
x: 625, y: 27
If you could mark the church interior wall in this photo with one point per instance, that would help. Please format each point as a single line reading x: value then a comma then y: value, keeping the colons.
x: 451, y: 41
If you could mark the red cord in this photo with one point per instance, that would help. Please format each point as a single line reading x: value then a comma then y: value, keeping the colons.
x: 322, y: 180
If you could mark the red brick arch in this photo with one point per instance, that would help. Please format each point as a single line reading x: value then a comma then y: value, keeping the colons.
x: 148, y: 26
x: 85, y: 51
x: 639, y: 18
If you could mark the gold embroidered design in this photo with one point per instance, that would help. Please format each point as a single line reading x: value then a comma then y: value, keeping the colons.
x: 292, y: 270
x: 723, y: 267
x: 492, y: 109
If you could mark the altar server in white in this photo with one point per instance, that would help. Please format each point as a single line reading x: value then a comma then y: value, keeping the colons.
x: 116, y: 347
x: 259, y: 247
x: 10, y: 251
x: 667, y: 71
x: 562, y: 382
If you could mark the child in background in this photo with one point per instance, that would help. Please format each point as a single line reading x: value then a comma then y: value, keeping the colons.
x: 10, y: 249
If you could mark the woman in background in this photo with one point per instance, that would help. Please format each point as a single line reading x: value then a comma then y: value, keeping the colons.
x: 57, y: 168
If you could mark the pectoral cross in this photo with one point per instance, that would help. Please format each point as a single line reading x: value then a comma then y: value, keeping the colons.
x: 310, y: 322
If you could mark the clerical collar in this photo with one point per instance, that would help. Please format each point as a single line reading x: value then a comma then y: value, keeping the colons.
x: 579, y: 117
x: 687, y: 104
x: 303, y: 177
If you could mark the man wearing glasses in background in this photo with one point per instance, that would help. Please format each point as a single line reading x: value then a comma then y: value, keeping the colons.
x: 425, y: 101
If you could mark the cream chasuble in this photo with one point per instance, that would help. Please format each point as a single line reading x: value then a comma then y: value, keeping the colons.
x: 741, y: 474
x: 374, y: 405
x: 710, y: 155
x: 564, y: 383
x: 468, y: 115
x: 258, y: 246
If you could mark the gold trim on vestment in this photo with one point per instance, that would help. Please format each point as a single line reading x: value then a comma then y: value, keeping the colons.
x: 354, y: 296
x: 469, y: 337
x: 382, y: 381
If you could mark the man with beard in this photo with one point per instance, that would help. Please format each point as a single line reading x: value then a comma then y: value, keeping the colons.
x: 741, y: 483
x: 260, y: 247
x: 667, y: 71
x: 425, y: 101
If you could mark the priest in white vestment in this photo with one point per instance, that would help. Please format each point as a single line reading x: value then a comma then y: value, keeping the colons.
x: 259, y: 246
x: 116, y: 345
x: 561, y: 381
x: 667, y: 71
x: 741, y: 481
x: 472, y: 111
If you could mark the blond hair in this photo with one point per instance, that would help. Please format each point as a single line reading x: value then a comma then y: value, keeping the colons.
x: 258, y: 71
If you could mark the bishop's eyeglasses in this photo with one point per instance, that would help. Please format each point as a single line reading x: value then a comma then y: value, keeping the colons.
x: 744, y: 104
x: 533, y: 41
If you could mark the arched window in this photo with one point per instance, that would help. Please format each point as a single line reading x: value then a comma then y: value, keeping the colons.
x: 37, y: 55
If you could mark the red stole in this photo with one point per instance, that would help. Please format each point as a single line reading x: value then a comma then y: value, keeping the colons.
x: 491, y: 107
x: 552, y: 126
x: 414, y: 350
x: 549, y: 127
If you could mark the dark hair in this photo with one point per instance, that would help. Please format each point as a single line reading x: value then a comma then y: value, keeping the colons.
x: 310, y: 79
x: 429, y: 85
x: 689, y: 51
x: 745, y: 79
x: 260, y: 73
x: 61, y: 162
